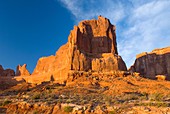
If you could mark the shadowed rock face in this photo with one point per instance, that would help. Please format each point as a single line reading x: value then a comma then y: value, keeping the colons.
x: 154, y: 63
x: 91, y: 46
x: 22, y: 70
x: 6, y: 72
x: 1, y: 69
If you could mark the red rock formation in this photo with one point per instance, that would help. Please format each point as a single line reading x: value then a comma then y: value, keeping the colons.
x: 154, y: 63
x: 22, y: 70
x: 91, y: 46
x: 1, y: 70
x: 6, y: 72
x: 56, y: 66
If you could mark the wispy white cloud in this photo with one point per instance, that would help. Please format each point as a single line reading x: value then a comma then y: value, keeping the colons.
x: 142, y: 25
x: 87, y: 9
x: 149, y: 28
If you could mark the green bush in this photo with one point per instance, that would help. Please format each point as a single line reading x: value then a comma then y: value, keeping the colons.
x: 36, y: 96
x: 115, y: 111
x: 157, y: 104
x: 35, y: 112
x: 162, y: 104
x: 112, y: 112
x: 156, y: 97
x: 6, y: 102
x: 68, y: 109
x: 128, y: 97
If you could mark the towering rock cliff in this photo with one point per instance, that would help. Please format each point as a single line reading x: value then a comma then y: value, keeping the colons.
x: 91, y: 46
x: 154, y: 63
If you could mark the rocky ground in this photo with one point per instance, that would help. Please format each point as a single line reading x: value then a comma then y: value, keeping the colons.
x: 95, y: 93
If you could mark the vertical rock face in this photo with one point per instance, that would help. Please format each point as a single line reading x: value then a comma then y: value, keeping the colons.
x: 154, y: 63
x: 94, y: 36
x: 91, y: 46
x: 6, y: 72
x: 22, y: 70
x: 1, y: 70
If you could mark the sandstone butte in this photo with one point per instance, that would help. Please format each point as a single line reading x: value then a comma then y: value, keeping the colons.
x: 153, y: 64
x: 91, y: 46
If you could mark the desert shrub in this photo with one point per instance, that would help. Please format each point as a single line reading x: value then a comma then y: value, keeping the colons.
x: 162, y: 104
x: 69, y: 100
x: 144, y: 96
x: 115, y: 111
x: 47, y: 87
x: 82, y: 102
x: 6, y: 102
x: 157, y: 104
x: 112, y: 112
x: 156, y: 97
x: 28, y: 89
x: 35, y: 112
x: 108, y: 100
x: 36, y: 96
x: 68, y: 109
x: 128, y: 97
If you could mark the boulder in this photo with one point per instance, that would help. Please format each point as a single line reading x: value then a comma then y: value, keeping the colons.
x: 160, y: 77
x: 22, y: 70
x: 154, y: 63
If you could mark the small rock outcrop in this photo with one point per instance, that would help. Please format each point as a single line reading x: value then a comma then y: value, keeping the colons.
x: 91, y: 46
x: 6, y: 72
x: 22, y: 70
x: 154, y: 63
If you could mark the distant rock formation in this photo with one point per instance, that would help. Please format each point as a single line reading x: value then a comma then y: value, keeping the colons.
x: 6, y: 72
x: 1, y: 69
x: 154, y: 63
x: 22, y: 70
x: 91, y: 46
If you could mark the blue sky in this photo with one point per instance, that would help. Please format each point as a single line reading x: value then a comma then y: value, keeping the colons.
x: 30, y: 29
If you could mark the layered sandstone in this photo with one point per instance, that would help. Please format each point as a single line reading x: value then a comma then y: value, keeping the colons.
x: 22, y: 70
x: 91, y: 46
x: 153, y: 64
x: 6, y: 72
